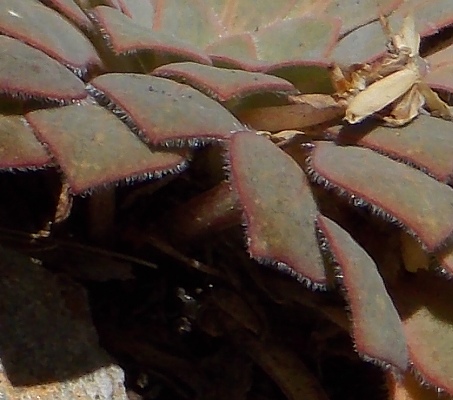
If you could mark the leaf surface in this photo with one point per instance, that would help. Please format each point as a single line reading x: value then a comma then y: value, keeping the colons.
x: 423, y: 205
x: 123, y: 36
x: 29, y: 73
x: 426, y: 143
x: 223, y: 84
x: 425, y: 305
x: 43, y: 28
x: 292, y: 42
x: 376, y: 326
x: 278, y: 205
x: 19, y: 147
x: 95, y: 148
x: 72, y: 11
x: 164, y: 111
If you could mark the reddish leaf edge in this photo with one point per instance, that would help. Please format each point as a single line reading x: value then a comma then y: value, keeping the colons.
x: 357, y: 201
x: 103, y: 100
x: 280, y: 266
x: 342, y: 139
x: 331, y: 262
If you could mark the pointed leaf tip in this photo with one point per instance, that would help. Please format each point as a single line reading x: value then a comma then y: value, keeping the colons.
x: 376, y: 327
x: 278, y: 205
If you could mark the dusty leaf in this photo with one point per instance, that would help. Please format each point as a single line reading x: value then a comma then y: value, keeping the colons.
x: 278, y: 205
x: 422, y: 205
x: 41, y: 27
x: 425, y: 305
x: 72, y: 11
x: 164, y: 111
x: 426, y: 143
x: 26, y: 72
x: 19, y: 147
x: 291, y: 42
x: 223, y: 84
x: 95, y: 148
x: 376, y: 326
x: 125, y: 36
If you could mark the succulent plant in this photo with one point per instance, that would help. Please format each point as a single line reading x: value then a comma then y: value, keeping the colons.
x: 116, y: 91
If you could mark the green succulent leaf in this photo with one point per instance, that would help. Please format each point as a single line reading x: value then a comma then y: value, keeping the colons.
x: 41, y: 27
x: 370, y: 304
x: 163, y: 111
x: 426, y: 143
x: 422, y: 205
x: 124, y: 36
x: 29, y: 73
x: 19, y: 147
x: 425, y: 305
x: 72, y: 11
x: 278, y: 205
x: 223, y: 84
x: 95, y: 148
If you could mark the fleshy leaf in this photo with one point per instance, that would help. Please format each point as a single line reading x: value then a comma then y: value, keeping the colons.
x: 292, y: 42
x: 125, y: 36
x: 278, y: 205
x: 361, y: 45
x: 95, y: 148
x: 29, y: 73
x: 72, y: 11
x: 376, y: 326
x: 142, y: 12
x: 223, y: 84
x: 164, y: 111
x: 354, y: 14
x: 426, y: 143
x: 425, y: 306
x: 41, y: 27
x: 401, y: 193
x: 19, y: 147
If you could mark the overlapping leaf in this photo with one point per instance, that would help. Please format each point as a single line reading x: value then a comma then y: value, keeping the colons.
x: 425, y: 302
x: 163, y: 111
x: 278, y: 205
x: 95, y: 148
x: 43, y: 28
x: 426, y: 143
x: 19, y: 147
x: 371, y: 179
x: 370, y: 304
x: 223, y: 84
x: 26, y: 72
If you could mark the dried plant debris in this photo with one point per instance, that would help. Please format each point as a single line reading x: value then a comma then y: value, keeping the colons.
x: 391, y: 89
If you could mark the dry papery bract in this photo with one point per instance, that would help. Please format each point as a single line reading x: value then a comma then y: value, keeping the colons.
x: 391, y: 89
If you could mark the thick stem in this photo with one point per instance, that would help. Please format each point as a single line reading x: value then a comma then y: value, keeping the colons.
x: 209, y: 212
